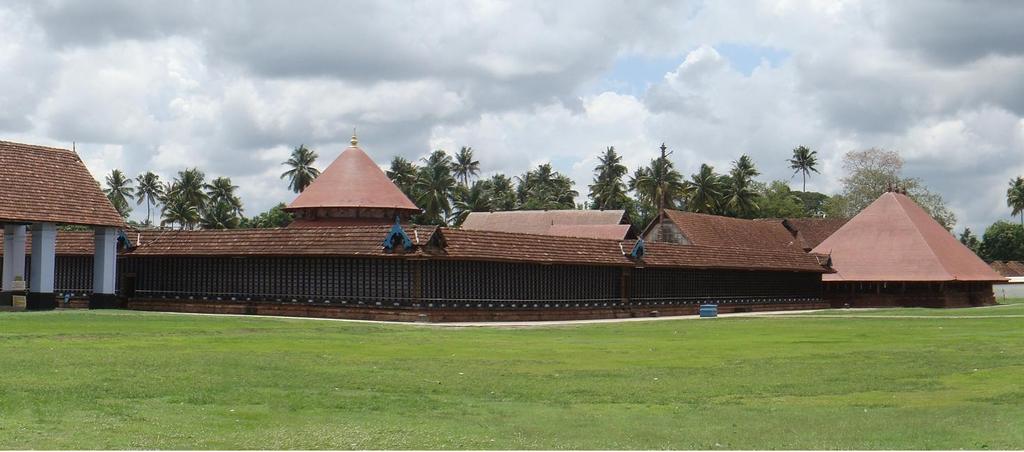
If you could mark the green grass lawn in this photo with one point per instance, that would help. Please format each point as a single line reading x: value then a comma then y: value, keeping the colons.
x: 117, y: 379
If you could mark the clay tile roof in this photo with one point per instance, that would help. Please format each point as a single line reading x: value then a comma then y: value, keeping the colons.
x: 810, y: 232
x: 1008, y: 268
x: 894, y: 239
x: 458, y: 244
x: 327, y: 241
x: 41, y: 184
x: 531, y: 248
x: 353, y: 180
x: 542, y: 221
x: 69, y: 243
x: 593, y: 231
x: 714, y: 230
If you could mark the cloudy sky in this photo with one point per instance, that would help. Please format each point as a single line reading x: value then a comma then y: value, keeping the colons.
x: 232, y: 86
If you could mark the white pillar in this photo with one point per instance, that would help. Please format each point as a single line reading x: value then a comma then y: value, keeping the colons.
x: 104, y: 269
x: 14, y: 255
x: 44, y: 252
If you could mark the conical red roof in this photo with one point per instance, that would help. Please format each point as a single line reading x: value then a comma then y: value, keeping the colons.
x: 894, y: 239
x: 353, y: 180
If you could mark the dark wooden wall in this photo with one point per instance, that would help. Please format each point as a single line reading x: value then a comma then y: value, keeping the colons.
x: 449, y: 284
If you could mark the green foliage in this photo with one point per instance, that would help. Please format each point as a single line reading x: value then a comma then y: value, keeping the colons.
x: 970, y: 240
x: 134, y: 380
x: 403, y: 173
x: 434, y: 187
x: 1003, y: 241
x: 780, y: 201
x: 871, y: 172
x: 501, y: 192
x: 150, y: 191
x: 658, y: 186
x: 300, y: 172
x: 706, y: 189
x: 814, y: 203
x: 543, y: 188
x: 608, y: 192
x: 119, y: 191
x: 739, y: 194
x: 276, y: 217
x: 220, y: 215
x: 476, y: 198
x: 1015, y: 197
x: 464, y: 167
x: 803, y: 162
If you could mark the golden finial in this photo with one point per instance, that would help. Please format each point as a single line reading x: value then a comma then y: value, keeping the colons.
x: 354, y: 140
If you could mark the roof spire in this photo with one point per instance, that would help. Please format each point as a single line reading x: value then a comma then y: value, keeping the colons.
x: 354, y: 140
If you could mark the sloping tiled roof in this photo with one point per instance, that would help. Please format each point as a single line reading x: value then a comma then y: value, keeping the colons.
x: 1008, y: 268
x: 465, y: 245
x: 810, y: 232
x: 41, y: 184
x: 329, y: 241
x: 550, y: 222
x: 719, y: 231
x: 71, y: 243
x: 503, y: 246
x: 894, y: 239
x: 353, y: 180
x: 593, y: 231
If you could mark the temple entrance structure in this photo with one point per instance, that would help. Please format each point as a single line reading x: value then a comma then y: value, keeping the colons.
x: 41, y: 188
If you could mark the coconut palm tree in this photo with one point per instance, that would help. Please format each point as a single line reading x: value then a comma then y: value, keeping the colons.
x: 608, y: 190
x: 545, y: 188
x: 301, y: 172
x: 1015, y: 197
x: 706, y: 191
x: 738, y: 194
x: 659, y: 185
x: 464, y: 166
x: 804, y: 161
x: 220, y: 215
x: 476, y: 198
x: 188, y: 188
x: 221, y: 191
x: 403, y: 174
x: 502, y: 194
x: 149, y: 190
x: 434, y: 186
x: 119, y: 190
x: 179, y: 211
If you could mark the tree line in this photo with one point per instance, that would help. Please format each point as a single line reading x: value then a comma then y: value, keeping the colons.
x: 447, y: 187
x: 1003, y: 240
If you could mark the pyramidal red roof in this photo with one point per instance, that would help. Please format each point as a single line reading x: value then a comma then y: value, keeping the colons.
x: 894, y: 239
x: 353, y: 180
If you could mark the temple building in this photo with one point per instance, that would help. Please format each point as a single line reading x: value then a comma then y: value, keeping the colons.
x: 353, y: 190
x: 893, y: 253
x: 351, y: 253
x: 42, y: 188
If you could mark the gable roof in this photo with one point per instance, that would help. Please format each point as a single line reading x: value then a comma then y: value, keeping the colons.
x: 607, y: 224
x: 353, y: 180
x: 715, y: 230
x: 42, y: 184
x: 810, y: 232
x: 1008, y: 268
x: 894, y: 239
x: 470, y: 245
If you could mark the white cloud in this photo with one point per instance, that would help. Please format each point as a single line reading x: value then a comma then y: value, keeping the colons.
x: 232, y: 87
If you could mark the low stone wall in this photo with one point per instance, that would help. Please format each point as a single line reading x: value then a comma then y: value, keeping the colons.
x: 409, y: 314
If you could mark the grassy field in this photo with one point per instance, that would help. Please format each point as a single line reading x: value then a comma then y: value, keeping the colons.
x: 116, y: 379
